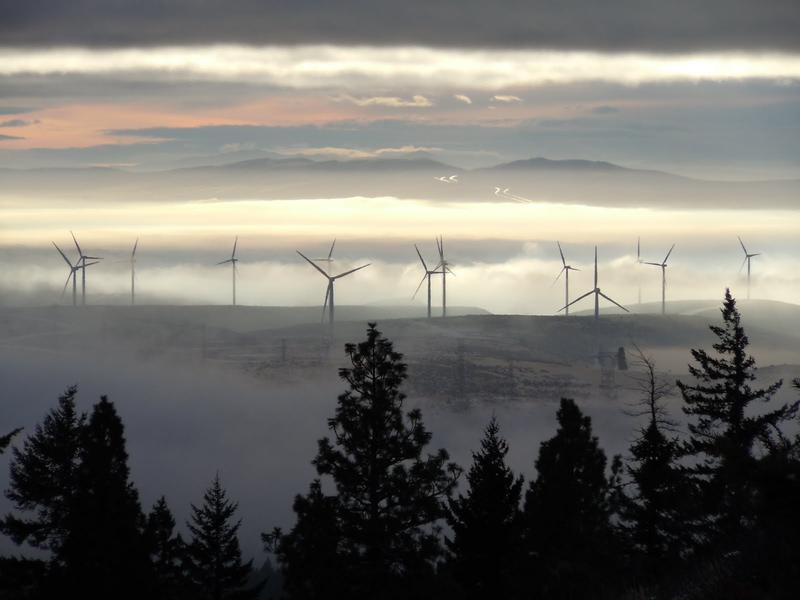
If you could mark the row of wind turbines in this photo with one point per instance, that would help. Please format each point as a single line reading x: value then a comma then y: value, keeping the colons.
x: 442, y: 268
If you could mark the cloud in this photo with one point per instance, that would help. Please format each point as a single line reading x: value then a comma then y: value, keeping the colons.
x: 14, y: 110
x: 605, y: 110
x: 9, y: 137
x: 338, y: 152
x: 506, y: 98
x: 18, y: 123
x: 396, y: 68
x: 463, y: 98
x: 390, y: 101
x: 679, y: 25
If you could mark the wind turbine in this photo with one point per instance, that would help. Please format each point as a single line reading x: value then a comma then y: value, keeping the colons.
x: 133, y: 272
x: 81, y: 263
x: 565, y: 269
x: 233, y: 260
x: 445, y: 269
x: 331, y: 279
x: 73, y: 269
x: 427, y: 276
x: 663, y: 265
x: 747, y: 257
x: 329, y: 258
x: 597, y: 293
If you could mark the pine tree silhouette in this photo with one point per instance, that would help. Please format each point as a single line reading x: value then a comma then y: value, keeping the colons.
x: 486, y: 523
x: 727, y: 435
x: 390, y: 495
x: 43, y: 478
x: 213, y: 557
x: 166, y: 549
x: 653, y: 516
x: 312, y: 565
x: 105, y: 554
x: 567, y: 511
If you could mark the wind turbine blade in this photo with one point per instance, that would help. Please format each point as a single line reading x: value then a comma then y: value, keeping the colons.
x: 638, y: 249
x: 80, y: 252
x: 742, y: 243
x: 313, y: 264
x: 419, y: 286
x: 351, y: 271
x: 742, y: 265
x: 325, y: 304
x: 578, y: 299
x: 573, y: 268
x: 424, y: 266
x: 222, y: 262
x: 330, y: 252
x: 64, y: 291
x: 64, y: 256
x: 450, y: 271
x: 668, y: 253
x: 756, y: 254
x: 561, y: 252
x: 558, y: 276
x: 84, y: 265
x: 93, y: 257
x: 135, y: 245
x: 652, y: 263
x: 235, y: 242
x: 613, y: 301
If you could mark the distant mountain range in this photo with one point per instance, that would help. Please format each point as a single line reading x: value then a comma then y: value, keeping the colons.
x: 534, y: 179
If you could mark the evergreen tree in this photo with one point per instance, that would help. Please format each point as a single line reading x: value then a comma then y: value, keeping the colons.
x: 166, y: 549
x: 105, y: 554
x: 389, y: 495
x: 486, y: 541
x: 43, y: 478
x: 567, y: 511
x: 728, y: 436
x: 652, y: 516
x: 311, y: 563
x: 213, y: 557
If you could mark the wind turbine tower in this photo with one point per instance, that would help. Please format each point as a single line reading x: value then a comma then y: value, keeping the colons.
x: 427, y: 276
x: 597, y: 293
x: 329, y: 303
x: 639, y: 270
x: 445, y: 269
x: 565, y: 269
x: 663, y: 265
x: 82, y: 264
x: 233, y: 260
x: 747, y: 257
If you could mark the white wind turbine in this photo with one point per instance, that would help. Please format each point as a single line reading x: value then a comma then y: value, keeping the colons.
x: 747, y: 257
x: 329, y: 303
x: 82, y: 258
x: 73, y: 270
x: 663, y: 265
x: 427, y: 275
x: 445, y: 269
x: 597, y: 293
x: 233, y: 260
x: 565, y: 269
x: 329, y: 258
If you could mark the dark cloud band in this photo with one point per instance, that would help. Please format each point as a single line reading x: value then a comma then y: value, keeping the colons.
x: 616, y: 25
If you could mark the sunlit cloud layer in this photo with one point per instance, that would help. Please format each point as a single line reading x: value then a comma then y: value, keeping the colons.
x: 317, y: 66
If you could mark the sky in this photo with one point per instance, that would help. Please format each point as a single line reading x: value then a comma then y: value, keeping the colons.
x: 709, y: 90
